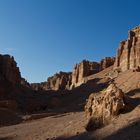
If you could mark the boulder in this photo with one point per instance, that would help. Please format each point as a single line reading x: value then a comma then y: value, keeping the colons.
x: 101, y: 109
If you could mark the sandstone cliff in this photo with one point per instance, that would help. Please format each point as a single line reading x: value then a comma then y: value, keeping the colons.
x: 128, y: 55
x: 67, y: 81
x: 87, y: 68
x: 106, y: 62
x: 83, y: 69
x: 60, y: 81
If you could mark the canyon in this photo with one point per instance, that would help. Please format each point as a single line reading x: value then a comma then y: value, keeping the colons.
x: 96, y: 100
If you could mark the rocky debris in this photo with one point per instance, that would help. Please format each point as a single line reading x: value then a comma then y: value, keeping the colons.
x: 113, y: 74
x: 60, y: 81
x: 101, y: 109
x: 106, y: 62
x: 83, y: 69
x: 9, y: 69
x: 9, y: 104
x: 128, y: 55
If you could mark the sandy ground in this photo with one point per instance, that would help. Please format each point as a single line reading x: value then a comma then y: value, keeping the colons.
x: 46, y: 128
x: 70, y: 126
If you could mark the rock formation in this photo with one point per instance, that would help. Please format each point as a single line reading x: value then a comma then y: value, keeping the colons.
x: 9, y: 69
x: 64, y: 80
x: 100, y: 109
x: 106, y: 62
x: 60, y: 81
x: 128, y: 55
x: 87, y: 68
x: 83, y: 69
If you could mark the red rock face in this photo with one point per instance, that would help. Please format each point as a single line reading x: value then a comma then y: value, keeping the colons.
x: 128, y: 55
x: 60, y: 81
x: 106, y: 62
x: 83, y: 69
x: 9, y: 69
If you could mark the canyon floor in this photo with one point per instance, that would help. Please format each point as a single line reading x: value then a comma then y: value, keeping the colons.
x: 70, y: 124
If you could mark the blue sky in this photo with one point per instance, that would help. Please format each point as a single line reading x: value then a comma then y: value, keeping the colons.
x: 48, y: 36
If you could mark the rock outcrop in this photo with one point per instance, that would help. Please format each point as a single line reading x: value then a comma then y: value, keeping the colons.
x: 106, y: 62
x: 67, y: 81
x: 128, y: 55
x: 60, y: 81
x: 101, y: 109
x: 87, y: 68
x: 9, y: 69
x: 83, y: 69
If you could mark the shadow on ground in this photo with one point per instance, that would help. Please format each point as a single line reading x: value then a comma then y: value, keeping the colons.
x: 131, y: 132
x: 8, y: 117
x: 6, y: 138
x: 74, y: 100
x: 83, y: 136
x: 132, y: 102
x: 134, y: 92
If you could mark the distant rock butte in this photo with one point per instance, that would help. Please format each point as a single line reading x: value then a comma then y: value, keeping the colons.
x: 128, y: 55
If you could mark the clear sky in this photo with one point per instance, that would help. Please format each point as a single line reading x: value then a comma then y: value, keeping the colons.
x: 48, y: 36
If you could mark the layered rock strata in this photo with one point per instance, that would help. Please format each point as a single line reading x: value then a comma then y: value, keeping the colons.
x: 128, y: 55
x: 83, y: 69
x: 60, y: 81
x: 106, y: 62
x: 67, y: 81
